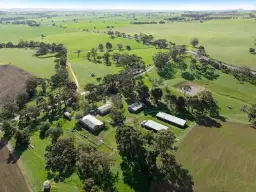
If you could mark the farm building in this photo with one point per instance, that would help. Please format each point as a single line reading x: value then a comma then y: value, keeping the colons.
x: 171, y: 119
x: 103, y: 110
x: 91, y: 123
x: 135, y: 107
x: 153, y: 125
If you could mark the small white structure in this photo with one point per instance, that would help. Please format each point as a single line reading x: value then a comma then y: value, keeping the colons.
x: 136, y: 107
x: 171, y: 119
x: 91, y: 123
x: 153, y: 125
x: 47, y: 185
x: 68, y: 115
x: 103, y: 110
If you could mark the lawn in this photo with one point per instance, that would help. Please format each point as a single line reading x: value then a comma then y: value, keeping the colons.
x: 225, y: 40
x: 25, y: 59
x: 221, y: 159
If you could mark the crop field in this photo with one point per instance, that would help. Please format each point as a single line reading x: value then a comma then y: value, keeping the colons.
x: 25, y: 59
x: 227, y: 41
x: 12, y: 180
x: 221, y: 159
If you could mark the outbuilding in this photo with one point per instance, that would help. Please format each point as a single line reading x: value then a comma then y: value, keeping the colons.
x: 68, y: 115
x: 91, y: 123
x: 171, y: 119
x: 105, y: 109
x: 153, y: 125
x: 136, y: 107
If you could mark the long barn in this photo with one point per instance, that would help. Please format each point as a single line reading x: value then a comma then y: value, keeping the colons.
x: 171, y: 119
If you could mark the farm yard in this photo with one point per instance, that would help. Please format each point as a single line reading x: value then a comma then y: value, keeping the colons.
x: 126, y: 71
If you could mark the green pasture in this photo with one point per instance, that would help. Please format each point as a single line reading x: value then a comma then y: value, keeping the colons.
x: 25, y: 59
x: 15, y: 33
x: 220, y: 159
x: 225, y: 40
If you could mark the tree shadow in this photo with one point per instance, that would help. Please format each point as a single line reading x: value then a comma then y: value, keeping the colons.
x: 15, y: 154
x: 208, y: 122
x: 135, y: 177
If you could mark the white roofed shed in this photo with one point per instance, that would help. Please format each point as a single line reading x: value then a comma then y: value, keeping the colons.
x: 154, y: 125
x: 171, y: 119
x: 91, y: 123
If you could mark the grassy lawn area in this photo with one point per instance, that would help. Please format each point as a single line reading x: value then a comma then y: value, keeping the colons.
x: 24, y: 59
x: 225, y: 40
x: 221, y: 159
x: 83, y: 69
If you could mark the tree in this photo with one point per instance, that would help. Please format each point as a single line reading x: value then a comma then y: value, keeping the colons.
x: 160, y: 43
x: 106, y: 58
x: 9, y: 45
x: 92, y: 163
x: 157, y: 94
x: 108, y: 46
x: 89, y: 56
x: 161, y: 60
x: 22, y: 137
x: 61, y: 157
x: 117, y: 112
x: 129, y: 142
x: 252, y: 115
x: 207, y: 103
x: 101, y: 47
x: 42, y: 36
x: 128, y: 48
x: 10, y: 107
x: 78, y: 53
x: 194, y: 42
x: 186, y: 88
x: 22, y: 99
x: 96, y: 189
x: 55, y: 133
x: 120, y: 47
x: 44, y: 127
x: 182, y: 65
x: 116, y: 57
x: 8, y: 129
x: 142, y: 91
x: 94, y: 53
x: 31, y: 85
x: 164, y: 140
x: 193, y: 64
x: 181, y: 104
x: 252, y: 50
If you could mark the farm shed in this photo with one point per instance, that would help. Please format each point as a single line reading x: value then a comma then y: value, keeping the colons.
x: 135, y: 107
x: 171, y: 119
x: 103, y: 110
x: 91, y: 123
x: 153, y: 125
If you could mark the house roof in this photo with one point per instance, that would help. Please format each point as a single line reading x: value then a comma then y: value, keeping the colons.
x: 105, y: 107
x: 136, y: 106
x: 155, y: 126
x: 91, y: 121
x: 171, y: 118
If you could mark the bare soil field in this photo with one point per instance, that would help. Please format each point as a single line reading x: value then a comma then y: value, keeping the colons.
x: 220, y: 159
x: 12, y: 80
x: 195, y: 89
x: 12, y: 179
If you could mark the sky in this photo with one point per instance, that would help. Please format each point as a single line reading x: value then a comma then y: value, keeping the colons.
x: 131, y: 4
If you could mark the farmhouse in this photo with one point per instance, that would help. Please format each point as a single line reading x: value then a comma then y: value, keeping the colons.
x: 91, y: 123
x: 171, y: 119
x: 103, y: 110
x: 153, y: 125
x: 135, y: 107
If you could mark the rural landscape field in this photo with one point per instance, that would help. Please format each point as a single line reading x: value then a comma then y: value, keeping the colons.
x: 127, y: 100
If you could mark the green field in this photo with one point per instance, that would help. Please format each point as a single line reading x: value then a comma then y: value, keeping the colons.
x: 228, y: 41
x: 220, y: 159
x: 42, y: 67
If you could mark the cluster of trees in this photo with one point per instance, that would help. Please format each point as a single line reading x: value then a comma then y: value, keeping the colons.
x: 219, y: 18
x: 30, y: 23
x: 143, y: 22
x: 150, y: 155
x: 252, y: 115
x: 92, y: 166
x: 252, y: 50
x: 176, y: 18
